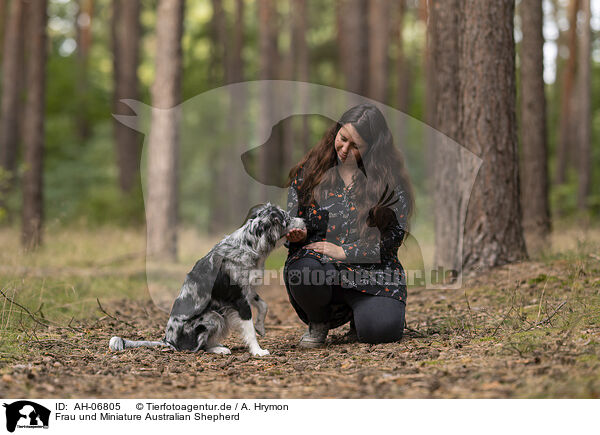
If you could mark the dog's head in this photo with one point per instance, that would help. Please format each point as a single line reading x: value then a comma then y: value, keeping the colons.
x: 269, y: 223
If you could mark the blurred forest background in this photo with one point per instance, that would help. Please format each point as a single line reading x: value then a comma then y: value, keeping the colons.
x: 82, y: 56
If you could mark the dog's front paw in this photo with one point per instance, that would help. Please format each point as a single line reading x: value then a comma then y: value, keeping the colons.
x: 116, y: 344
x: 221, y: 350
x: 259, y: 352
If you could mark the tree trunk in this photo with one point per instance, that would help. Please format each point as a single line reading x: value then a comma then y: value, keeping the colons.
x: 236, y: 61
x: 238, y: 97
x: 12, y: 66
x: 269, y: 67
x: 493, y: 230
x: 300, y: 25
x: 583, y: 110
x: 378, y: 31
x: 126, y: 38
x: 566, y: 142
x: 34, y: 127
x: 353, y: 43
x: 443, y: 78
x: 163, y: 142
x: 430, y: 86
x: 3, y: 4
x: 296, y: 132
x: 219, y: 45
x: 402, y: 64
x: 534, y: 164
x: 400, y: 95
x: 84, y: 42
x: 222, y: 213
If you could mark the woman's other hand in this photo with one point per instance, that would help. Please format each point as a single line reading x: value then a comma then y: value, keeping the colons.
x: 296, y: 235
x: 330, y: 249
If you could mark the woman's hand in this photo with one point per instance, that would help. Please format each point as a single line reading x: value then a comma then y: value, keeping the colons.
x: 296, y: 235
x: 330, y: 249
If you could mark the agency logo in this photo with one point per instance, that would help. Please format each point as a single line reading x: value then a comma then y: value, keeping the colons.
x: 24, y: 414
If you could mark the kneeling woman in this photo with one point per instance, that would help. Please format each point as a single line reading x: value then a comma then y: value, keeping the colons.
x: 354, y: 193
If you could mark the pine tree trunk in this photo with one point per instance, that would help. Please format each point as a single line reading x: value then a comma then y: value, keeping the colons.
x: 352, y: 28
x: 429, y: 62
x: 288, y: 72
x: 443, y: 77
x: 219, y: 46
x: 221, y: 215
x: 84, y: 43
x: 399, y: 89
x: 238, y: 106
x: 295, y: 133
x: 3, y: 4
x: 402, y: 62
x: 378, y: 31
x: 300, y: 25
x: 269, y: 67
x: 566, y: 141
x: 534, y: 164
x: 493, y: 229
x: 33, y: 203
x: 12, y: 66
x: 236, y: 66
x: 583, y: 109
x: 163, y: 142
x: 126, y: 38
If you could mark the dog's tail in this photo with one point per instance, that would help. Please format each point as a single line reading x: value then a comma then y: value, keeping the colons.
x: 118, y: 343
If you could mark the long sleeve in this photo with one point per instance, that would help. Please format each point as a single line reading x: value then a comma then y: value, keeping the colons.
x: 315, y: 217
x: 294, y: 209
x: 391, y: 234
x: 292, y: 199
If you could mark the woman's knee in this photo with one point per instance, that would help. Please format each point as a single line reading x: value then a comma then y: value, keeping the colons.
x: 379, y: 320
x: 380, y: 330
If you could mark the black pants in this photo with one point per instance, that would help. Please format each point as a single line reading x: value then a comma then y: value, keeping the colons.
x: 378, y: 319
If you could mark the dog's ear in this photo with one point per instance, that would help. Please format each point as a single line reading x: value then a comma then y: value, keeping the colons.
x: 253, y: 212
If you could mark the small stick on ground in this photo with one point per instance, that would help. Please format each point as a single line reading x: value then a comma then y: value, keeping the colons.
x: 502, y: 321
x: 547, y: 319
x: 111, y: 316
x: 541, y: 299
x: 35, y: 319
x: 419, y: 333
x: 470, y: 312
x: 73, y: 328
x: 414, y: 330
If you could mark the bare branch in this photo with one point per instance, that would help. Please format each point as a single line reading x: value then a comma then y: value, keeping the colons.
x: 111, y: 316
x: 35, y: 319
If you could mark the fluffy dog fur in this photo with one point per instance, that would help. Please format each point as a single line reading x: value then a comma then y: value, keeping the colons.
x: 217, y: 293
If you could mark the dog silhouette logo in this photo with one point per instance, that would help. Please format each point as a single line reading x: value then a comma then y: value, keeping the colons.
x: 26, y: 414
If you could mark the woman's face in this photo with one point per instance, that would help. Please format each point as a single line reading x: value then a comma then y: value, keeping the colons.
x: 347, y: 143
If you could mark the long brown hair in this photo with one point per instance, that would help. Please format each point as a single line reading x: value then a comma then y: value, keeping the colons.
x: 382, y: 165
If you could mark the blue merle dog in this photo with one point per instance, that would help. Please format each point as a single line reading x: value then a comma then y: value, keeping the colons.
x: 217, y: 294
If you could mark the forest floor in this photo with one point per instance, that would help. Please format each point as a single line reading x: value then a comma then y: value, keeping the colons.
x: 528, y: 330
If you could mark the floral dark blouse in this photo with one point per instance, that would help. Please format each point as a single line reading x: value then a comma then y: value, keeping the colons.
x: 370, y: 266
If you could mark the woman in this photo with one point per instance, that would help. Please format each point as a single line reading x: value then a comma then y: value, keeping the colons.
x: 354, y: 193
